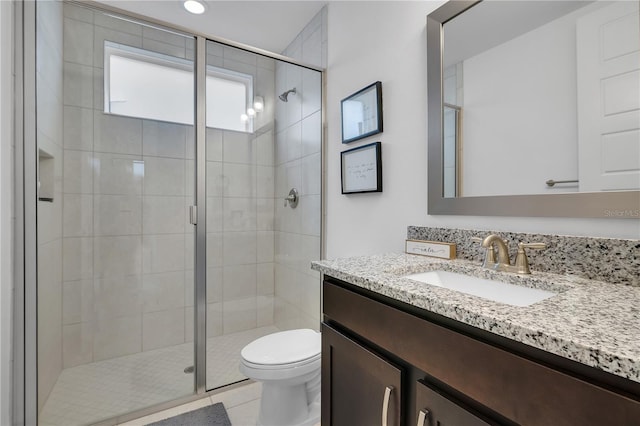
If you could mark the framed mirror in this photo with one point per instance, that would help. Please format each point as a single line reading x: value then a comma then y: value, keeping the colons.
x: 533, y: 109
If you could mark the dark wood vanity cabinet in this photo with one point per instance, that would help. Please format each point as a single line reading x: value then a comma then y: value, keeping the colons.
x: 455, y: 374
x: 365, y: 388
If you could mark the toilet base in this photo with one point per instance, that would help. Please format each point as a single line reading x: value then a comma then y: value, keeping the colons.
x: 287, y: 405
x: 312, y: 419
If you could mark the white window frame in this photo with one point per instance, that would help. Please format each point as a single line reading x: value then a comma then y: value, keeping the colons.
x: 142, y: 55
x: 246, y: 79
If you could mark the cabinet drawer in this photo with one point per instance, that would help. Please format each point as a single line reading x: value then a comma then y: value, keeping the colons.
x: 434, y: 408
x: 517, y: 388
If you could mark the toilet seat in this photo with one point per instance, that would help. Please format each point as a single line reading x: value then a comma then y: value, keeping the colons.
x: 285, y: 349
x: 292, y: 365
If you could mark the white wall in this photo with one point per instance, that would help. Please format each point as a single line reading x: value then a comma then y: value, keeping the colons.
x: 6, y: 155
x: 387, y: 42
x: 521, y: 96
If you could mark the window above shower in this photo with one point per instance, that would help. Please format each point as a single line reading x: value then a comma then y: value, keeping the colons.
x: 144, y: 84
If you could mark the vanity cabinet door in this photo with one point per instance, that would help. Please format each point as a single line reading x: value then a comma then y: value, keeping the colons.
x: 434, y: 408
x: 358, y: 386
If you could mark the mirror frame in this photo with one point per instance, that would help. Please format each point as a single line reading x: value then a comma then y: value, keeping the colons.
x: 614, y: 204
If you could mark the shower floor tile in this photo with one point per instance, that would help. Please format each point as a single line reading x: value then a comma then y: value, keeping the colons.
x: 93, y: 392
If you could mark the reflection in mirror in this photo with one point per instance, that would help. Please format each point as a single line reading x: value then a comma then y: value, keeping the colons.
x: 494, y: 142
x: 541, y: 98
x: 451, y: 148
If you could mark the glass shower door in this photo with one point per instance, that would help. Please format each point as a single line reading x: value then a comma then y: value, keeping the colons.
x: 240, y: 206
x: 116, y: 150
x: 259, y: 145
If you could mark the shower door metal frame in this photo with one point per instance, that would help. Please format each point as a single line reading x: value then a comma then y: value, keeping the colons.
x: 200, y: 267
x: 25, y: 331
x: 25, y: 327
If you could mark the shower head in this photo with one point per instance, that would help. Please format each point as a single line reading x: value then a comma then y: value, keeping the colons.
x: 284, y: 97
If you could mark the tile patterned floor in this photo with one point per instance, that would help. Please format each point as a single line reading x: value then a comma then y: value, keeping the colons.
x: 242, y: 406
x: 105, y: 389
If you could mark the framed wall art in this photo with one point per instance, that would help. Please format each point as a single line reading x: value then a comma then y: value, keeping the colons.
x: 362, y: 169
x: 362, y: 113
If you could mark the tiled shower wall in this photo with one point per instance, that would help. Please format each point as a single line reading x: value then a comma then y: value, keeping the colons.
x: 298, y: 165
x: 240, y: 179
x: 128, y: 246
x: 49, y: 133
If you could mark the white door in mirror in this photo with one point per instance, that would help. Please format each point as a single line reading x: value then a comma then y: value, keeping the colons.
x: 608, y: 71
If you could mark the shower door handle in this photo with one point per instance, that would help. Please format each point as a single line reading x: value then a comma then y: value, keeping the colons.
x: 193, y: 215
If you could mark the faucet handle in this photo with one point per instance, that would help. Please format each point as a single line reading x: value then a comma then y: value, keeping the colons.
x: 522, y: 262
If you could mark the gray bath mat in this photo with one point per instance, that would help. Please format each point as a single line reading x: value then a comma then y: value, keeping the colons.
x: 212, y: 415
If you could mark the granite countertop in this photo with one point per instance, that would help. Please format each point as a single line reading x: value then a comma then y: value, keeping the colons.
x: 592, y: 322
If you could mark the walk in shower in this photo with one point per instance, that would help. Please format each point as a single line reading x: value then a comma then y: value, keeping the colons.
x: 144, y: 294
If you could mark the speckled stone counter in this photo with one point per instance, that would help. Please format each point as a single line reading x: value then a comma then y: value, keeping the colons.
x: 611, y: 260
x: 591, y: 322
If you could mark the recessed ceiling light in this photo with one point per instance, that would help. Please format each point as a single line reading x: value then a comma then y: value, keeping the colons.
x: 194, y: 6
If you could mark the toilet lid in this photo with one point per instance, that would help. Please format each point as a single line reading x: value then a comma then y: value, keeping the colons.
x: 285, y: 347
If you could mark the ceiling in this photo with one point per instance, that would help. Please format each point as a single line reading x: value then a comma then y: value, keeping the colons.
x: 269, y: 25
x: 492, y: 23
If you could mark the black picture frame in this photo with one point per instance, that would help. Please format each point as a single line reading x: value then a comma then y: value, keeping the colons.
x: 362, y: 113
x: 361, y: 169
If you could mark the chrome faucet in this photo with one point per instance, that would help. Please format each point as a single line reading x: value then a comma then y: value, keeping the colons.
x: 503, y: 263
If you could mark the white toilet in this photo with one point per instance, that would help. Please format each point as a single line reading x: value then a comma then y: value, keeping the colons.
x: 288, y: 365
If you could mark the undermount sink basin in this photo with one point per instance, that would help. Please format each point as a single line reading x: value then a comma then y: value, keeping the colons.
x: 489, y: 289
